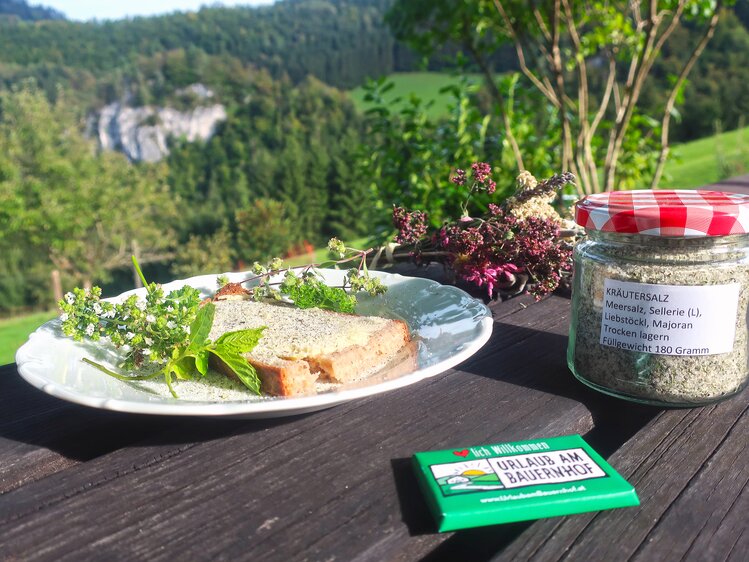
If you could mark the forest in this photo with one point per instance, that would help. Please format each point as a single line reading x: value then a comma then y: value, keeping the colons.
x: 294, y: 162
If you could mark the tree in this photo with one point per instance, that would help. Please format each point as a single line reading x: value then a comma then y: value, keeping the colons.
x: 589, y: 59
x: 205, y: 254
x: 351, y: 200
x: 69, y: 208
x: 266, y: 229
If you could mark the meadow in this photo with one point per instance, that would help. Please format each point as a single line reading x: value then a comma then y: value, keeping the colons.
x: 15, y: 331
x: 425, y: 85
x: 708, y: 160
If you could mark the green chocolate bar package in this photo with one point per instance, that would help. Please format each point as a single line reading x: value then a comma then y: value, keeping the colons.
x: 506, y: 482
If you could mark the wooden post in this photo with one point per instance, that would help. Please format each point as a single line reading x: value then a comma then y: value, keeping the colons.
x: 56, y: 285
x: 136, y: 252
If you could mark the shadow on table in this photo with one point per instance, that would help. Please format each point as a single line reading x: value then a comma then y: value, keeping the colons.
x: 537, y: 360
x: 30, y: 416
x: 543, y: 369
x: 471, y: 544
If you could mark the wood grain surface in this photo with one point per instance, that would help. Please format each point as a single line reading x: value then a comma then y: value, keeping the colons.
x: 83, y: 484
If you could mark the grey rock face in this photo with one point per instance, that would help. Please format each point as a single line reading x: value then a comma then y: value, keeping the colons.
x: 142, y: 132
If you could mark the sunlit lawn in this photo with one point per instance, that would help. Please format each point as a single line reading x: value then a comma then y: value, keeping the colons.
x: 425, y: 85
x: 15, y: 331
x: 695, y: 163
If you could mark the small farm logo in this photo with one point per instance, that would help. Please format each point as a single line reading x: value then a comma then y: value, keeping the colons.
x: 467, y: 476
x: 514, y: 471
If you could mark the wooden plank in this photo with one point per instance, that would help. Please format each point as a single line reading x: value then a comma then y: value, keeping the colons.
x: 690, y: 469
x: 41, y: 435
x: 336, y: 483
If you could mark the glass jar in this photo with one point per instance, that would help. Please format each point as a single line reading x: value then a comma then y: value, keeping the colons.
x: 660, y: 294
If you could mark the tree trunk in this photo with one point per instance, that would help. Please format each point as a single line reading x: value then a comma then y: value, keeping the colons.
x: 56, y: 285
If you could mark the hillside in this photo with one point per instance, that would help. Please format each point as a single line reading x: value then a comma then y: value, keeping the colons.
x: 21, y: 10
x: 708, y: 160
x: 329, y: 39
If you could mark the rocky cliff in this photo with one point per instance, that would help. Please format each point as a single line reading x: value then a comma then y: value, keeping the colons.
x: 142, y: 133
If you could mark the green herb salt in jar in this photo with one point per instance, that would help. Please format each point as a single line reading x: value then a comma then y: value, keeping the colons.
x: 660, y: 293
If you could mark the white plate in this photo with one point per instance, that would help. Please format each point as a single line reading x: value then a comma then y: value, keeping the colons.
x: 447, y: 323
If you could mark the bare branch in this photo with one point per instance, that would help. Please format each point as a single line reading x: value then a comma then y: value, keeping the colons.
x: 638, y: 71
x: 499, y: 99
x: 608, y: 89
x: 541, y: 23
x: 617, y: 96
x: 675, y: 19
x: 671, y: 102
x: 583, y: 138
x: 634, y: 6
x: 543, y: 86
x: 558, y: 72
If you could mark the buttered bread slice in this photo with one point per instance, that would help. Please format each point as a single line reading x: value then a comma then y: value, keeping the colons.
x: 303, y: 346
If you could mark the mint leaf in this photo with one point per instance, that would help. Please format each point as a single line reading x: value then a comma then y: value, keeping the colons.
x: 184, y: 368
x: 201, y: 361
x: 241, y: 341
x: 239, y: 365
x: 201, y: 327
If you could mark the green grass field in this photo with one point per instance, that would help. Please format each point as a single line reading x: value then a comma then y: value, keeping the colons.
x: 15, y: 331
x: 696, y: 163
x: 425, y: 85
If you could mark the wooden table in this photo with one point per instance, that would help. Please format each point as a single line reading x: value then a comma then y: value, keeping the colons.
x: 78, y: 483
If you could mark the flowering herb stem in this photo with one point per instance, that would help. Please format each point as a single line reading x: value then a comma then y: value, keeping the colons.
x: 118, y: 376
x: 139, y: 271
x: 305, y: 287
x: 515, y: 243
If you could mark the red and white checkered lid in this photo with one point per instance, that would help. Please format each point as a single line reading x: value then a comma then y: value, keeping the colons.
x: 672, y: 213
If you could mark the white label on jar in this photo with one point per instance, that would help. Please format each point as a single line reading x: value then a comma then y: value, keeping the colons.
x: 669, y: 319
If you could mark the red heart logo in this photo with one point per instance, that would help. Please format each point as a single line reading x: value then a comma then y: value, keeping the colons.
x: 463, y: 453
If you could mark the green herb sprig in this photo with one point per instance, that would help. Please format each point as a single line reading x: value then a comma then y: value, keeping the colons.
x: 168, y: 330
x: 304, y: 286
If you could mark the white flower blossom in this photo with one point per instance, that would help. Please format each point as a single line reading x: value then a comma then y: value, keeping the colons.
x: 170, y: 308
x: 140, y: 305
x: 150, y: 318
x: 97, y: 308
x: 90, y: 330
x: 108, y: 314
x: 69, y: 298
x: 129, y: 335
x: 148, y: 340
x: 170, y: 324
x: 64, y: 316
x: 146, y: 351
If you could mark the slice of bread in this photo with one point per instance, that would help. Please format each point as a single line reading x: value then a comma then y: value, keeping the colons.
x: 301, y: 347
